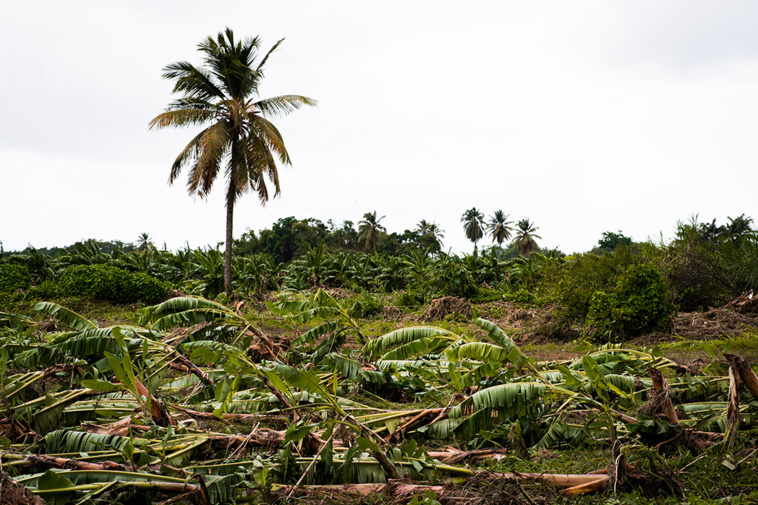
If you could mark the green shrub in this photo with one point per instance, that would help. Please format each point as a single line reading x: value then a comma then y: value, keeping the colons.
x: 574, y: 286
x: 366, y: 306
x: 639, y: 303
x: 109, y: 283
x: 47, y: 290
x: 147, y: 289
x: 14, y: 277
x: 520, y: 296
x: 409, y: 299
x: 450, y: 278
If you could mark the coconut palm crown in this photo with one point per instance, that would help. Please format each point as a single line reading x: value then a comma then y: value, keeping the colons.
x: 498, y: 227
x: 238, y: 138
x: 525, y: 237
x: 371, y: 230
x: 473, y: 224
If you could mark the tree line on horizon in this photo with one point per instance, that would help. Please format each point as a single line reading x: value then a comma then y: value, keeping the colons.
x: 705, y: 265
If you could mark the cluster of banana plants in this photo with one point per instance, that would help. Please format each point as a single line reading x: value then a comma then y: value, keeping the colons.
x: 197, y: 400
x: 199, y: 272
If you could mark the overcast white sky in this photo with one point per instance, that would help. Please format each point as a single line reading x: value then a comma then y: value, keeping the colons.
x: 585, y: 116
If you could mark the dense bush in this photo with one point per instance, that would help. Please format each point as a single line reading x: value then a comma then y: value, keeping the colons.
x: 147, y: 289
x: 105, y: 282
x: 709, y: 265
x: 14, y: 277
x: 639, y: 303
x: 409, y: 298
x: 366, y: 306
x: 449, y: 277
x: 572, y: 285
x: 47, y: 290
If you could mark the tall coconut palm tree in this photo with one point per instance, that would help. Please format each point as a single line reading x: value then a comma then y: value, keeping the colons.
x: 371, y: 230
x: 473, y: 224
x: 238, y: 138
x: 499, y: 229
x: 525, y: 237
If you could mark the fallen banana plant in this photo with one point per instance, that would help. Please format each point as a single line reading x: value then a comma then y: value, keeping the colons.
x: 200, y: 415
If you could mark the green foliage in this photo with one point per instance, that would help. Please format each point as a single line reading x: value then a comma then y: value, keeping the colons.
x: 366, y: 306
x: 473, y: 224
x: 708, y: 265
x: 639, y: 303
x: 409, y: 298
x: 147, y: 289
x: 520, y: 296
x: 14, y: 277
x: 610, y: 241
x: 48, y: 290
x: 449, y: 276
x: 103, y: 282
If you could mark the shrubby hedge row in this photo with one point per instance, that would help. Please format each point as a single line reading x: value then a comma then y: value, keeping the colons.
x: 14, y: 277
x: 109, y: 283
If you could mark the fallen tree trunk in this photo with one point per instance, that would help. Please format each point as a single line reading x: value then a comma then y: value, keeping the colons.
x: 574, y: 484
x: 261, y: 437
x: 32, y: 460
x: 229, y: 417
x: 394, y: 489
x: 158, y: 412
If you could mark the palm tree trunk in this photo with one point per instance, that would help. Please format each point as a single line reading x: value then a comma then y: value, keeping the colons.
x: 230, y: 196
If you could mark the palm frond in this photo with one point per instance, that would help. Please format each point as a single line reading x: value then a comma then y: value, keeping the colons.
x: 284, y: 104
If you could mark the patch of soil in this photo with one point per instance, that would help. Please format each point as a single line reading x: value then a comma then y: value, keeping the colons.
x: 441, y: 307
x: 13, y: 493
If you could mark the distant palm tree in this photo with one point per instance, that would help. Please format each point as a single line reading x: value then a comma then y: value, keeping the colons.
x: 498, y: 228
x: 238, y: 140
x: 525, y: 237
x: 739, y: 227
x: 422, y: 227
x: 432, y: 230
x: 371, y: 230
x: 144, y: 242
x: 473, y: 224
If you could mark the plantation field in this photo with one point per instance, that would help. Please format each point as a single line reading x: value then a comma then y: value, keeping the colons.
x: 304, y: 396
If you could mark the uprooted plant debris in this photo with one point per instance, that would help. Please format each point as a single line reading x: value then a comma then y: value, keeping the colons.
x: 197, y: 404
x: 441, y: 307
